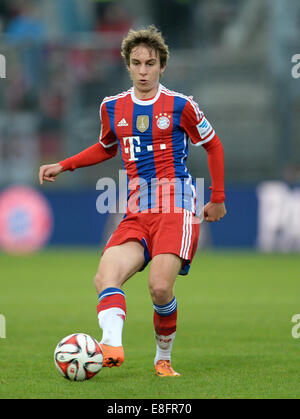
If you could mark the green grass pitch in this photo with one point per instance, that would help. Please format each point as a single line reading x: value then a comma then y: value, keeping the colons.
x: 233, y: 338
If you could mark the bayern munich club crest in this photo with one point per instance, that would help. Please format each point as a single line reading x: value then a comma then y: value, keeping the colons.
x: 163, y: 120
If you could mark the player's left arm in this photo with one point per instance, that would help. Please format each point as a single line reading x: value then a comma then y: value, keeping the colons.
x: 215, y: 209
x: 202, y: 133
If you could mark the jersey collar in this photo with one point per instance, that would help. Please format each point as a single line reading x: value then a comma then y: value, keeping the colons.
x: 146, y: 102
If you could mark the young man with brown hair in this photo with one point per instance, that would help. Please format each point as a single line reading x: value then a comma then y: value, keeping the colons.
x: 150, y: 126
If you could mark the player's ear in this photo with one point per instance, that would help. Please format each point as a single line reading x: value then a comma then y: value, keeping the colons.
x: 128, y: 69
x: 127, y: 63
x: 162, y: 69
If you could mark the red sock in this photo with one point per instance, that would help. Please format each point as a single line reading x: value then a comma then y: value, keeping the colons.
x: 165, y: 325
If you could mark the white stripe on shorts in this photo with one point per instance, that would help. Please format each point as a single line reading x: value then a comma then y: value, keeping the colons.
x: 186, y: 234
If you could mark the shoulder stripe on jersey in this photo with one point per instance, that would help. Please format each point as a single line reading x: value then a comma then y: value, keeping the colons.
x: 122, y: 94
x: 195, y: 105
x: 111, y: 98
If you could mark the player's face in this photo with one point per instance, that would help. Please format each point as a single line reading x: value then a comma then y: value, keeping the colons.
x: 145, y: 70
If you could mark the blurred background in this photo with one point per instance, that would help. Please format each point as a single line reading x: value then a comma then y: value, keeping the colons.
x: 237, y: 58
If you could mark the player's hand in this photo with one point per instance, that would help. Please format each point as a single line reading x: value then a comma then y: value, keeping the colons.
x: 49, y: 172
x: 214, y: 212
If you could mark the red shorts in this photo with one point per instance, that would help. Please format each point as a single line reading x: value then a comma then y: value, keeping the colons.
x: 176, y: 233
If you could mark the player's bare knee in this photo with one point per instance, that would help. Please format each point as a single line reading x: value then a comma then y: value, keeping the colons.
x: 97, y: 280
x: 109, y: 275
x: 103, y: 281
x: 161, y: 292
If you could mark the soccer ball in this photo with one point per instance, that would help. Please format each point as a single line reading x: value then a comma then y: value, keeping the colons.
x: 78, y: 357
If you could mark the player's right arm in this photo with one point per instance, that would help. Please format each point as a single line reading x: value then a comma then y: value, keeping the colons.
x: 49, y: 172
x: 105, y: 149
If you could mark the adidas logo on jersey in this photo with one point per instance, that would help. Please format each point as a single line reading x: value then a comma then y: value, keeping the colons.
x: 123, y: 123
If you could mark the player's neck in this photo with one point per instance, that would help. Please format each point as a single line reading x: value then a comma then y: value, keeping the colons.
x: 142, y: 95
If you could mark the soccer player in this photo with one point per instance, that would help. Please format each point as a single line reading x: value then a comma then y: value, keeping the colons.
x: 150, y: 125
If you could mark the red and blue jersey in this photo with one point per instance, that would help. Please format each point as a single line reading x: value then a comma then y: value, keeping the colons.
x: 153, y: 138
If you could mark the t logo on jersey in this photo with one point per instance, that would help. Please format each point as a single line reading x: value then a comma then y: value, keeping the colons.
x: 142, y: 123
x: 132, y: 149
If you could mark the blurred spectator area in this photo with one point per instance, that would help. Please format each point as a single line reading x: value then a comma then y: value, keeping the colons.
x: 234, y: 57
